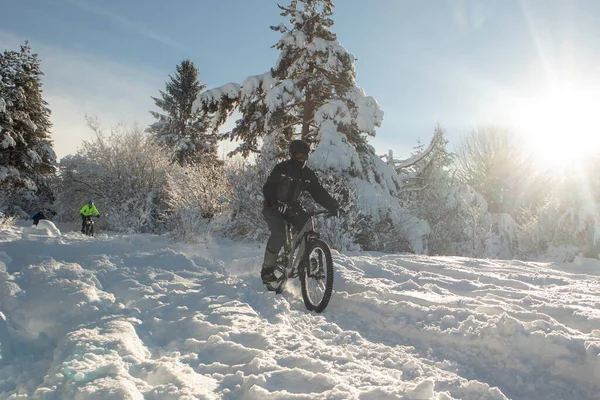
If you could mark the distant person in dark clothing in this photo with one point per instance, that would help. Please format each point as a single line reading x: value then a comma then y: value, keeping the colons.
x: 38, y: 216
x: 42, y: 214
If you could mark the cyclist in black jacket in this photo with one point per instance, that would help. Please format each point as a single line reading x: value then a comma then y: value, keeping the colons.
x: 281, y: 191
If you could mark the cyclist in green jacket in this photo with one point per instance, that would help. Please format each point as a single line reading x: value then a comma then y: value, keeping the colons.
x: 87, y: 211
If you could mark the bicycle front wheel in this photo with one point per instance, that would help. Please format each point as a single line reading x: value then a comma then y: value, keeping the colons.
x: 316, y: 276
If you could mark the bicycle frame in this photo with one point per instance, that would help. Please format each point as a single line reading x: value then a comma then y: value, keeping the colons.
x: 298, y: 241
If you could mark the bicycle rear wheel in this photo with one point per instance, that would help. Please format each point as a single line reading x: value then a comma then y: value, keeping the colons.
x: 316, y: 276
x: 88, y: 230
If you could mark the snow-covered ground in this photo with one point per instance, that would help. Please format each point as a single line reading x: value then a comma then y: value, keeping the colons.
x: 140, y: 317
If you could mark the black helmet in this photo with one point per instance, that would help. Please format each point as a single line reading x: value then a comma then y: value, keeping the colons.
x: 299, y: 146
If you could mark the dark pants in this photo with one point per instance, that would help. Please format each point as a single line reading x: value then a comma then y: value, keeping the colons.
x: 276, y: 222
x: 83, y: 218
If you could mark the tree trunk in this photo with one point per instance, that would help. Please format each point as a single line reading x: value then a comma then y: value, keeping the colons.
x: 307, y: 117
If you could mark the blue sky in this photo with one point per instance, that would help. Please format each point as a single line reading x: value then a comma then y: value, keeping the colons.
x: 458, y: 63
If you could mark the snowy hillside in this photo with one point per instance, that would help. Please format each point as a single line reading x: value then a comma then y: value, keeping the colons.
x: 138, y: 317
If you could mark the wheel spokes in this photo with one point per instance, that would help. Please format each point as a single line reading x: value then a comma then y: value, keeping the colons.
x: 316, y: 275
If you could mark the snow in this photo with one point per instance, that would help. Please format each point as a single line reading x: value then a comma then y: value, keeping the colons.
x: 333, y: 153
x: 369, y: 114
x: 5, y: 172
x: 250, y: 85
x: 284, y: 92
x: 296, y: 39
x: 44, y: 228
x: 34, y: 157
x: 212, y: 96
x: 141, y: 317
x: 583, y: 218
x: 8, y: 141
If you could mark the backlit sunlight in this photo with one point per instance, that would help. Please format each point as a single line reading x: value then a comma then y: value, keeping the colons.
x: 560, y: 125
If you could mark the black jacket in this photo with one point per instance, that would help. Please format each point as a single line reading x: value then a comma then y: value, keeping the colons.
x: 38, y: 216
x: 289, y: 179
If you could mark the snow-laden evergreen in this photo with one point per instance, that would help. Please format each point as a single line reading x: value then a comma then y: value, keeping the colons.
x: 311, y: 93
x: 27, y: 158
x: 181, y: 130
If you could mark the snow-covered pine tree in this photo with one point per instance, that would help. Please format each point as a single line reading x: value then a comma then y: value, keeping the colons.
x: 311, y: 93
x: 428, y: 174
x: 180, y: 129
x: 457, y: 215
x: 427, y: 178
x: 27, y: 158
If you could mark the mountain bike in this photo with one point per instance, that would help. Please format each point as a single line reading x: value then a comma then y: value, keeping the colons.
x: 306, y: 256
x: 88, y: 227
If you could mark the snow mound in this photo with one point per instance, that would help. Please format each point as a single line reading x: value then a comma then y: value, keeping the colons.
x: 44, y: 228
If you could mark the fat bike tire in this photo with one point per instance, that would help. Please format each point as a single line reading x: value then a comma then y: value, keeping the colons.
x: 316, y: 276
x: 89, y: 230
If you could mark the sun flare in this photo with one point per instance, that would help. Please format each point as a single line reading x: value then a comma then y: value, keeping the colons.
x: 560, y: 125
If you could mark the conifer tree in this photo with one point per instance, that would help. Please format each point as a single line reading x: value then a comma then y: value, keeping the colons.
x: 312, y: 84
x: 311, y: 93
x: 428, y: 177
x: 27, y: 158
x: 179, y: 129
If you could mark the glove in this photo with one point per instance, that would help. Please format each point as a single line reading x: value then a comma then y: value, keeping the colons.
x: 282, y: 207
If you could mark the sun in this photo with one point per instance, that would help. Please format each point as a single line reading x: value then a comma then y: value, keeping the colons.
x: 560, y: 125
